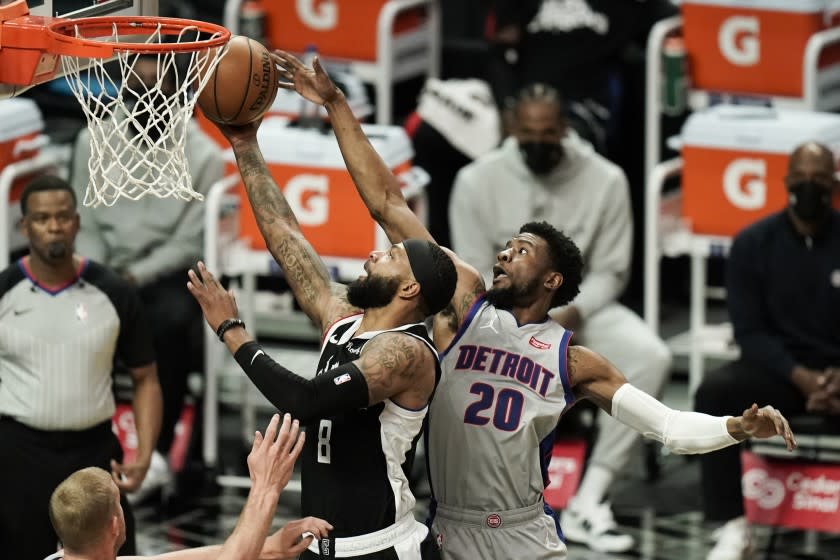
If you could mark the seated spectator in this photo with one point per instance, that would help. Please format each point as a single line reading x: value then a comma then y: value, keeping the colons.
x: 783, y: 292
x: 575, y: 46
x: 152, y: 242
x: 546, y: 172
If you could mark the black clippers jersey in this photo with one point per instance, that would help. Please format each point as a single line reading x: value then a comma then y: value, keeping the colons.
x: 355, y: 464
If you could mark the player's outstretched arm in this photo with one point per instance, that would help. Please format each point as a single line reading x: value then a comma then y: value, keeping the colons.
x: 321, y: 299
x: 593, y: 377
x: 377, y: 185
x: 270, y: 464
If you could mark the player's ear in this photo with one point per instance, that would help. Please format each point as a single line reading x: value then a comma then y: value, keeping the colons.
x: 553, y: 281
x: 409, y: 289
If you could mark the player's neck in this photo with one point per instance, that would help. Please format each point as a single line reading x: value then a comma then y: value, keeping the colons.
x: 383, y: 318
x: 53, y: 274
x: 534, y: 313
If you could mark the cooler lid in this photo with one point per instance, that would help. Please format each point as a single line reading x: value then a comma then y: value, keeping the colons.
x: 760, y: 129
x: 19, y: 117
x: 795, y: 6
x: 289, y: 145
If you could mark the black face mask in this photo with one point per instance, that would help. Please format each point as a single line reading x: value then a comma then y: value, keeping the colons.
x: 541, y: 157
x: 810, y: 201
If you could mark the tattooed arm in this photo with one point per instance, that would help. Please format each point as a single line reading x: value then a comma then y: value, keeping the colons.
x: 469, y: 287
x: 322, y: 300
x: 377, y: 185
x: 399, y: 367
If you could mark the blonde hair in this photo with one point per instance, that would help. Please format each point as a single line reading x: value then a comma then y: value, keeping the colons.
x: 81, y: 508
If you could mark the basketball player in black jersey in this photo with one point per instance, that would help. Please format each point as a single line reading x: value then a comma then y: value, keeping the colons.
x: 378, y: 369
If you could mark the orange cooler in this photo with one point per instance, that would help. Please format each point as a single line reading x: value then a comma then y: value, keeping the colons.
x: 736, y: 159
x: 20, y: 131
x: 337, y: 28
x: 308, y: 167
x: 755, y: 46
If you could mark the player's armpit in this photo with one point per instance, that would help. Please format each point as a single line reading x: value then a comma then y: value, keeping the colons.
x: 398, y: 365
x: 470, y: 285
x: 593, y: 377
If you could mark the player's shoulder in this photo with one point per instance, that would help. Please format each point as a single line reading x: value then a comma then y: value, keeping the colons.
x: 106, y: 279
x: 10, y: 277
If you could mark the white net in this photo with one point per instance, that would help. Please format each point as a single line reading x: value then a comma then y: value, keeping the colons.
x: 138, y: 121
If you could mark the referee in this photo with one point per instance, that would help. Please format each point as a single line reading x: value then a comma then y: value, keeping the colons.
x: 64, y: 320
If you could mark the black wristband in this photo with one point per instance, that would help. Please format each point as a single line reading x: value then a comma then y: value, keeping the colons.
x: 228, y: 324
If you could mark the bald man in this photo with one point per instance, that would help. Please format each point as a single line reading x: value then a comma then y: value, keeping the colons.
x: 783, y: 284
x: 86, y: 513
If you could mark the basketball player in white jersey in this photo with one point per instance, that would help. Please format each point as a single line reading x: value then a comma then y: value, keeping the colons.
x: 378, y: 368
x: 509, y: 372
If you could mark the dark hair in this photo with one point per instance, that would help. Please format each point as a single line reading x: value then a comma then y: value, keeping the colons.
x: 565, y: 259
x: 435, y: 272
x: 42, y: 184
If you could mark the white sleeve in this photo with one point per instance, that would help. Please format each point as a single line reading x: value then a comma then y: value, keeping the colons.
x: 681, y: 432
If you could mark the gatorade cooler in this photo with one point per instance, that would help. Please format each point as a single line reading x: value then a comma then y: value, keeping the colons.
x: 337, y: 28
x: 307, y: 165
x: 735, y: 160
x: 20, y: 130
x: 21, y: 126
x: 755, y: 46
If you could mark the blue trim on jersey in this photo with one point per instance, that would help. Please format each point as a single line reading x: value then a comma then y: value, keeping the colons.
x: 83, y: 264
x: 546, y: 450
x: 464, y: 325
x: 556, y: 518
x: 564, y: 371
x: 398, y: 405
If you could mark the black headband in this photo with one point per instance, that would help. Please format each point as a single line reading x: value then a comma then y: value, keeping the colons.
x: 423, y: 266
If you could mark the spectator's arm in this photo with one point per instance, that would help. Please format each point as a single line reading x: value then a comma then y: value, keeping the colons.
x: 89, y: 242
x: 745, y: 298
x: 183, y: 247
x: 608, y: 261
x: 469, y: 223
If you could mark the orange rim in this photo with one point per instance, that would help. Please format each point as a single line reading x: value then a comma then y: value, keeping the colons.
x: 65, y: 41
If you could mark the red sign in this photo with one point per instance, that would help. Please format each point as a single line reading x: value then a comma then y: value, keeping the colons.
x: 123, y: 426
x: 791, y: 493
x: 564, y: 472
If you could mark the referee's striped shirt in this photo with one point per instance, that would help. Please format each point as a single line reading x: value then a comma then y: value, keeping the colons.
x: 58, y: 345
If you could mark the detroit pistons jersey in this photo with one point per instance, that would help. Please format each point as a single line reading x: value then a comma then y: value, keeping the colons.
x: 355, y: 464
x: 503, y: 389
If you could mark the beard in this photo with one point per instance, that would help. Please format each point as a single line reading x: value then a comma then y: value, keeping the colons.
x: 372, y: 291
x: 56, y: 250
x: 512, y: 296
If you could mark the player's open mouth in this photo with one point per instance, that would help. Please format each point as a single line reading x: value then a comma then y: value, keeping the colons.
x: 498, y: 273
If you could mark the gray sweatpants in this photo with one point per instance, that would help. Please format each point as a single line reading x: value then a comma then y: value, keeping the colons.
x: 520, y: 533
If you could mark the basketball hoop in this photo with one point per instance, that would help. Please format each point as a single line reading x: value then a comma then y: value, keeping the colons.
x: 137, y: 128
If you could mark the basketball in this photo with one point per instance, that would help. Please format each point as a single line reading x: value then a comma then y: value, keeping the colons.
x: 243, y: 85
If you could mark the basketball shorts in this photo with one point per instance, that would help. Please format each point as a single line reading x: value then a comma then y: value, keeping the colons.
x: 527, y: 532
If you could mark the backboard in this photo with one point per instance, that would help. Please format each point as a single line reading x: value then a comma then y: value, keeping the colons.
x: 92, y: 8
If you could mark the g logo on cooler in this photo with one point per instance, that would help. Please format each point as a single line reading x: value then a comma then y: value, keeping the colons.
x: 307, y: 195
x: 752, y: 195
x: 321, y: 18
x: 767, y: 492
x: 747, y: 51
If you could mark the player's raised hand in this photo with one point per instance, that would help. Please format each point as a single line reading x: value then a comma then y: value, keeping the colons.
x: 767, y: 422
x: 272, y: 458
x: 294, y: 538
x: 312, y: 84
x: 216, y: 302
